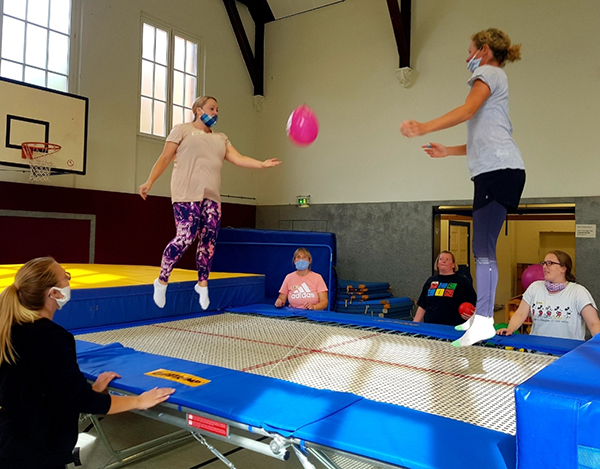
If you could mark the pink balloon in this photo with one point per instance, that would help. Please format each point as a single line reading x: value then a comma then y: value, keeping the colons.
x: 531, y: 274
x: 302, y: 126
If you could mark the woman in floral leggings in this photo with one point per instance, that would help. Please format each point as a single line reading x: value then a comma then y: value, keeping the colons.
x: 198, y: 154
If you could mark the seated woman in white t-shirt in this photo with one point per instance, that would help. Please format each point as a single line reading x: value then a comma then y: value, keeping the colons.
x: 304, y: 288
x: 558, y: 306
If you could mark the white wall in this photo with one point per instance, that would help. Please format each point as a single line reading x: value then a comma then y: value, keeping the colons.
x: 341, y: 61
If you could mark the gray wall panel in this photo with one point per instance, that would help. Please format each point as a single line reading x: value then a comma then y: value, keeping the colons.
x: 392, y: 241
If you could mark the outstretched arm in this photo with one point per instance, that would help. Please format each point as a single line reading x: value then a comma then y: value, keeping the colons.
x: 437, y: 150
x: 234, y: 157
x: 159, y: 167
x: 143, y: 401
x: 479, y: 93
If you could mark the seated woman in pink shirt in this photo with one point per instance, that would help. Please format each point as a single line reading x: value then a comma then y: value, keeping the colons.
x: 304, y: 288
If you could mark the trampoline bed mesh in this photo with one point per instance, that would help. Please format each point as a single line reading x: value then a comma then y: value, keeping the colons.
x: 471, y: 384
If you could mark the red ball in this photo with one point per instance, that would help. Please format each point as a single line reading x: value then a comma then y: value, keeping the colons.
x: 466, y: 310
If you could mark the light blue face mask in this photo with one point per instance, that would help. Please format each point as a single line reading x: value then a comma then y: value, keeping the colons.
x: 209, y: 121
x: 473, y: 64
x: 301, y: 264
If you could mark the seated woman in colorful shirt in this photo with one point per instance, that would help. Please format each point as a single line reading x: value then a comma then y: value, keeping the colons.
x: 443, y: 294
x: 304, y: 288
x: 558, y: 306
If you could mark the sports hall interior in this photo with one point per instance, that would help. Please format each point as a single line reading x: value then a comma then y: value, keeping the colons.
x: 389, y: 204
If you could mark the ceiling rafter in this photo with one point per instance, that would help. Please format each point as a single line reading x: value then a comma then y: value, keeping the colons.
x: 255, y: 62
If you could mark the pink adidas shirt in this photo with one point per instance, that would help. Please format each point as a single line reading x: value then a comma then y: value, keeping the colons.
x: 302, y: 290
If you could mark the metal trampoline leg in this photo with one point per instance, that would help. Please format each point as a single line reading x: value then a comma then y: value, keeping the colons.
x: 120, y: 458
x: 214, y: 450
x: 302, y: 458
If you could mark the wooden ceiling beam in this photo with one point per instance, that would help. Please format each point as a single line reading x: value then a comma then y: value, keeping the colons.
x: 255, y: 62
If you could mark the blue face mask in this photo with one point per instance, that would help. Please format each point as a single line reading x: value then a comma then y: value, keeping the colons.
x: 208, y: 121
x: 301, y: 264
x: 473, y: 64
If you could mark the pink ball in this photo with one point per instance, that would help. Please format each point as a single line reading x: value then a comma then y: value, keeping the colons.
x: 531, y: 274
x: 302, y: 126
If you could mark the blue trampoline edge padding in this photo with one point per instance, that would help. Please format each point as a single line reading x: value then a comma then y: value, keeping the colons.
x: 410, y: 438
x: 342, y: 421
x: 98, y: 307
x: 559, y: 411
x: 549, y: 345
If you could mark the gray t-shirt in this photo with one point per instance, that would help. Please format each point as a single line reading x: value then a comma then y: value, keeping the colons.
x: 558, y: 314
x: 490, y: 146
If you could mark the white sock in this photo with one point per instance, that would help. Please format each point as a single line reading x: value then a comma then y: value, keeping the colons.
x: 465, y: 325
x: 482, y: 328
x: 203, y: 292
x: 160, y: 294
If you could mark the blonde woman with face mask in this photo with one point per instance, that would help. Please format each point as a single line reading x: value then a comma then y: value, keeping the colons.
x: 197, y: 154
x: 42, y: 390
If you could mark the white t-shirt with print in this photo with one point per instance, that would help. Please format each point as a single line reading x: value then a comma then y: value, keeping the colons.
x: 558, y: 314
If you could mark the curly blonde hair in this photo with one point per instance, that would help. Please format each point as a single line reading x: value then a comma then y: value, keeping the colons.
x: 500, y: 45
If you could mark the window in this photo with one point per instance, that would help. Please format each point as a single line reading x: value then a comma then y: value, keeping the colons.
x: 36, y: 42
x: 169, y: 79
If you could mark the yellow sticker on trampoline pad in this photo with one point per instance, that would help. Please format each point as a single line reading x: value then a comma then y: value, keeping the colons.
x: 183, y: 378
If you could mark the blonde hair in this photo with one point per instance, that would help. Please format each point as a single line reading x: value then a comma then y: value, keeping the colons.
x: 500, y: 45
x: 304, y: 251
x: 199, y: 102
x: 20, y: 301
x: 437, y: 259
x: 565, y: 261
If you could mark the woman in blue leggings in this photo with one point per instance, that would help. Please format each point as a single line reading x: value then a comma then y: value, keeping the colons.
x: 495, y: 163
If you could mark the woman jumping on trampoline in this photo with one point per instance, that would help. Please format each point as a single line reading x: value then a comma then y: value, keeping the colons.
x: 198, y: 155
x: 42, y: 390
x: 495, y: 163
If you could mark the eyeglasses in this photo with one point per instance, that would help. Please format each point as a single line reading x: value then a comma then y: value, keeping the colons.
x: 68, y: 275
x: 549, y: 263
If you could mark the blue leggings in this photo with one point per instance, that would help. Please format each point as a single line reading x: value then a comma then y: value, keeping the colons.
x: 487, y: 223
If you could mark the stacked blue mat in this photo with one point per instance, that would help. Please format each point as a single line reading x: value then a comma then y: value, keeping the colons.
x: 372, y: 299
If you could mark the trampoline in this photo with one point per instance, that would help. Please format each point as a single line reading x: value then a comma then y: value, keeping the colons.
x: 474, y: 384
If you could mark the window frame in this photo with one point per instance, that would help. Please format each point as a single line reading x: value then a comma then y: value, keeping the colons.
x: 74, y: 47
x: 200, y: 71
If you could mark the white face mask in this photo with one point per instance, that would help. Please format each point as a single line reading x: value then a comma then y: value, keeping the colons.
x: 66, y: 292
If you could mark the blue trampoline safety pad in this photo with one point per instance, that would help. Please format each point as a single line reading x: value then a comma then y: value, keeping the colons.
x: 410, y: 438
x: 254, y: 400
x: 341, y: 421
x: 559, y: 410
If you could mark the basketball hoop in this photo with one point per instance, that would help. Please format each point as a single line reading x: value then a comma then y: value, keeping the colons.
x: 39, y: 157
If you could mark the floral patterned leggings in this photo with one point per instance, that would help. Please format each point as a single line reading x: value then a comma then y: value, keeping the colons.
x: 193, y: 219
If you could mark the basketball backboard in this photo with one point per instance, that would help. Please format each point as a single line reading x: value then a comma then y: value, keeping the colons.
x: 33, y: 114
